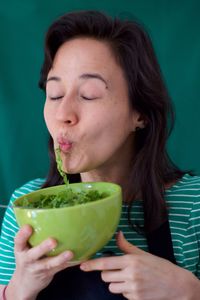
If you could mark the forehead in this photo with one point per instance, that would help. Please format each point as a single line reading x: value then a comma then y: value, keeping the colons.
x: 87, y: 56
x: 84, y: 53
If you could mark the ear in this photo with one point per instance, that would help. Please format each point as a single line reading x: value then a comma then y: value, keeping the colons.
x: 138, y: 121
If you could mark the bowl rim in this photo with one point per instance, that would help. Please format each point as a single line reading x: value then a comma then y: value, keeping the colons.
x: 117, y: 187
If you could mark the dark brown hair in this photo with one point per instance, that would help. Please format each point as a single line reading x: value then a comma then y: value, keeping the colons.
x: 151, y: 169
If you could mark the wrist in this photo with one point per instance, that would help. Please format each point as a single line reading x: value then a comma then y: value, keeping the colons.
x: 15, y: 290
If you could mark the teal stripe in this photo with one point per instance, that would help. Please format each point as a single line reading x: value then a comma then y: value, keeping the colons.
x: 183, y: 202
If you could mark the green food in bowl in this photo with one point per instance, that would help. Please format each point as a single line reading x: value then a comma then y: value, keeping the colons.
x: 83, y: 228
x: 64, y: 198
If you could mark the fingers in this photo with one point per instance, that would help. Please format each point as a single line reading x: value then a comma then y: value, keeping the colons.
x: 118, y: 288
x: 113, y: 276
x: 42, y: 249
x: 22, y: 237
x: 125, y: 246
x: 56, y: 263
x: 104, y: 263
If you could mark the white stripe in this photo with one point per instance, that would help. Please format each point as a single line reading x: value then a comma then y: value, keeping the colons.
x: 178, y: 254
x: 175, y: 240
x: 12, y: 225
x: 196, y: 210
x: 12, y: 269
x: 11, y: 216
x: 192, y: 258
x: 5, y: 250
x: 192, y: 265
x: 195, y: 218
x: 7, y: 256
x: 7, y: 245
x: 26, y: 189
x: 187, y: 244
x: 185, y: 189
x: 14, y: 197
x: 184, y: 195
x: 177, y: 248
x: 20, y: 193
x: 7, y: 262
x: 8, y: 228
x: 8, y: 241
x: 177, y: 228
x: 178, y: 222
x: 35, y: 186
x: 179, y: 202
x: 178, y: 215
x: 181, y: 208
x: 192, y: 179
x: 189, y: 251
x: 178, y: 234
x: 5, y: 274
x: 10, y: 236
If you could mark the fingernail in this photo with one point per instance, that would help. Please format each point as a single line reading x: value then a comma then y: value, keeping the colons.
x: 68, y: 254
x: 52, y: 244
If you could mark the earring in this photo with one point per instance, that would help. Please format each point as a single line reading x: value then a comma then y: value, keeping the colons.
x: 137, y: 128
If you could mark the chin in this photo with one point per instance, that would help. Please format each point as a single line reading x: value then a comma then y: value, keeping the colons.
x: 72, y: 169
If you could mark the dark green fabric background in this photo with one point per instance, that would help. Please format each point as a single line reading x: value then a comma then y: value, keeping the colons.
x: 175, y: 29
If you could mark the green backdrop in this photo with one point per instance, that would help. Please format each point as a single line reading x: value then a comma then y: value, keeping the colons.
x: 174, y: 26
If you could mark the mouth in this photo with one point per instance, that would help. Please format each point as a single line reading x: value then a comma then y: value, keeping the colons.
x: 64, y: 144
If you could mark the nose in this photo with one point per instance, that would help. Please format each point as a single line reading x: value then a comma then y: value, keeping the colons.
x: 67, y: 112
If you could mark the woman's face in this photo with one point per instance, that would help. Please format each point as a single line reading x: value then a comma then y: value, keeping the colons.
x: 87, y: 110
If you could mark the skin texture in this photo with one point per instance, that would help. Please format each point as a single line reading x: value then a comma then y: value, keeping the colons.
x: 34, y: 271
x: 91, y: 119
x: 101, y: 129
x: 139, y: 275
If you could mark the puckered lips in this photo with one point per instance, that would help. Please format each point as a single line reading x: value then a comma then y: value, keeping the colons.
x: 64, y: 144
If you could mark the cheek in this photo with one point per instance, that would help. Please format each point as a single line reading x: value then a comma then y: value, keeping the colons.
x: 110, y: 134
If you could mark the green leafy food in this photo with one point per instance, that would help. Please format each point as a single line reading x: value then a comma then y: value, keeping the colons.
x: 59, y: 166
x: 63, y: 199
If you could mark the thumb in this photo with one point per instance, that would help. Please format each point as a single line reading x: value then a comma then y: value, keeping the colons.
x: 125, y: 246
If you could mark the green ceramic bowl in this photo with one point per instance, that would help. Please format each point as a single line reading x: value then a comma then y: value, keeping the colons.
x: 83, y: 228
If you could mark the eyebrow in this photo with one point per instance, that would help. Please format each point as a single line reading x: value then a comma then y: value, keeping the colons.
x: 54, y: 78
x: 83, y: 76
x: 93, y: 75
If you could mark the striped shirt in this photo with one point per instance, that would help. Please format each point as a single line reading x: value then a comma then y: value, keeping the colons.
x: 182, y: 200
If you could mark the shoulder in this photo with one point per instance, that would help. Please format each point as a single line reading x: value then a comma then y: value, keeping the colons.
x: 183, y: 198
x: 186, y: 187
x: 28, y: 187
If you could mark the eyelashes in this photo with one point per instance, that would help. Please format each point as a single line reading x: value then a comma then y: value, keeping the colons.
x: 82, y: 96
x: 88, y: 98
x: 56, y: 98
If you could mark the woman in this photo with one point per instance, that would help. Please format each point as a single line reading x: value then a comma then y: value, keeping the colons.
x: 108, y: 110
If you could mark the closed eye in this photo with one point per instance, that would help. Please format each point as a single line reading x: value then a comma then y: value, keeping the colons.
x: 89, y: 98
x: 56, y: 98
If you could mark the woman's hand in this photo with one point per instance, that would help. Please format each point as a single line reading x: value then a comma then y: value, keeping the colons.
x: 34, y: 271
x: 139, y: 275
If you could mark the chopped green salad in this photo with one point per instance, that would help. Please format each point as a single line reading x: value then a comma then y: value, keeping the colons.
x: 65, y: 198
